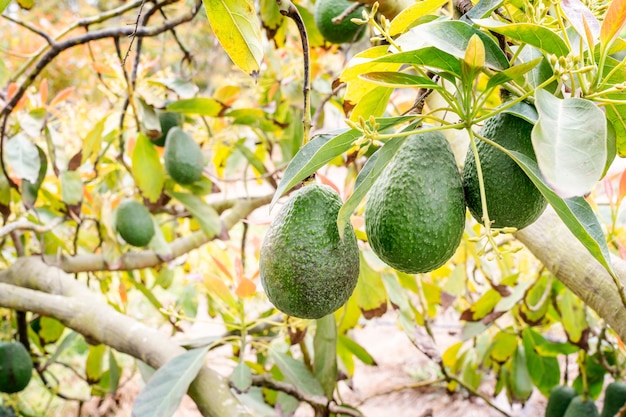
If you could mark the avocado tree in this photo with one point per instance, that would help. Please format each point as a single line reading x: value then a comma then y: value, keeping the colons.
x: 145, y: 146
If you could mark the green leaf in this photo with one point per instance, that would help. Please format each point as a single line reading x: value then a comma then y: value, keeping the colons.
x: 544, y: 370
x: 366, y: 178
x: 428, y: 56
x: 399, y: 80
x: 616, y: 115
x: 356, y: 349
x: 483, y: 306
x: 202, y: 106
x: 524, y: 111
x: 71, y: 187
x: 570, y: 142
x: 296, y: 373
x: 595, y: 373
x: 514, y: 73
x: 114, y: 372
x: 23, y: 157
x: 532, y: 34
x: 30, y: 190
x: 165, y: 390
x: 573, y: 315
x: 3, y: 6
x: 93, y: 366
x: 93, y: 142
x: 370, y: 293
x: 374, y: 103
x: 319, y: 151
x: 452, y: 37
x: 235, y: 25
x: 542, y: 72
x: 325, y: 359
x: 521, y: 383
x: 205, y: 215
x: 580, y: 16
x: 241, y: 377
x: 50, y: 329
x: 148, y: 119
x: 503, y: 346
x: 26, y: 4
x: 147, y: 168
x: 484, y: 8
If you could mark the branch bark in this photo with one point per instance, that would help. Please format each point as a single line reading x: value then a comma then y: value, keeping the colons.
x: 557, y: 248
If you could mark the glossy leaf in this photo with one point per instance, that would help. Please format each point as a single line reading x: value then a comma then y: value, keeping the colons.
x: 429, y: 56
x: 543, y: 370
x: 452, y: 37
x: 71, y: 187
x: 234, y: 23
x: 399, y: 80
x: 296, y: 373
x: 616, y: 115
x: 484, y: 8
x: 374, y: 103
x: 23, y: 157
x: 569, y: 139
x: 513, y: 73
x: 532, y: 34
x: 202, y: 106
x: 325, y: 349
x: 165, y: 389
x: 366, y: 178
x: 613, y: 22
x: 147, y: 168
x: 542, y: 72
x: 406, y: 18
x: 204, y: 214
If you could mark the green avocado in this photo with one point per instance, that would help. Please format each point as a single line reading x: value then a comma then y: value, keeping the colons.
x: 306, y: 269
x: 579, y: 408
x: 512, y: 198
x: 343, y: 32
x: 183, y: 157
x: 559, y: 399
x: 134, y: 223
x: 414, y: 212
x: 16, y: 367
x: 614, y: 398
x: 167, y: 121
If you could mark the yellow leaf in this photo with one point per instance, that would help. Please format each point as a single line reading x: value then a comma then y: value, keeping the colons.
x: 613, y: 21
x: 147, y: 168
x: 235, y: 24
x: 407, y: 17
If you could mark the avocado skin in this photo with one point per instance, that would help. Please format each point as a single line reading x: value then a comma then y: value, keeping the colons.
x: 559, y: 399
x: 16, y: 367
x: 579, y: 408
x: 183, y: 157
x: 415, y: 212
x: 134, y: 223
x: 512, y: 198
x: 614, y: 398
x: 306, y: 270
x: 167, y: 120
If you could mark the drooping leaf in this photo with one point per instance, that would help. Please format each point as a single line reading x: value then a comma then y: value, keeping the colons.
x: 325, y: 349
x: 30, y: 190
x: 406, y: 18
x: 616, y: 114
x: 93, y: 366
x: 544, y: 370
x: 71, y: 187
x: 515, y: 72
x: 570, y: 143
x: 503, y: 346
x: 147, y: 168
x: 573, y: 316
x: 357, y: 350
x: 166, y: 387
x: 148, y: 119
x: 23, y: 157
x: 93, y: 142
x: 521, y: 383
x: 203, y: 106
x: 204, y: 214
x: 234, y: 23
x: 452, y: 37
x: 241, y: 377
x: 296, y: 373
x: 370, y: 293
x: 613, y: 22
x: 532, y: 34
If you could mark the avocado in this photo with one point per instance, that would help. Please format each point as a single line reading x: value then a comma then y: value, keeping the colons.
x: 183, y: 157
x: 342, y: 32
x: 614, y: 398
x: 414, y: 212
x: 167, y: 120
x: 16, y: 367
x: 134, y: 223
x: 512, y: 198
x: 559, y: 399
x: 306, y: 269
x: 579, y: 408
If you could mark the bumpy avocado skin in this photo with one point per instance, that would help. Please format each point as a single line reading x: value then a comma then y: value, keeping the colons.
x: 559, y: 399
x: 346, y: 30
x: 306, y: 270
x: 579, y: 408
x: 16, y: 367
x: 134, y: 223
x: 512, y: 198
x: 614, y: 398
x: 415, y: 213
x: 183, y: 157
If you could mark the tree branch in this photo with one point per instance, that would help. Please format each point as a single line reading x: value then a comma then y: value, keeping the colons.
x: 558, y: 249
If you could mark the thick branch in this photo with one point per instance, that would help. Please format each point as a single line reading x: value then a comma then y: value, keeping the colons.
x: 557, y: 248
x: 50, y: 292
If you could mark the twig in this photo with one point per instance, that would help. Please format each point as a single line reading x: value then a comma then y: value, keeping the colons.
x: 340, y: 18
x: 23, y: 224
x: 132, y: 35
x: 415, y: 385
x: 30, y: 27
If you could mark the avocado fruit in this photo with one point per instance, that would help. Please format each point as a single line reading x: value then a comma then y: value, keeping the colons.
x: 183, y: 157
x: 342, y: 32
x: 559, y: 399
x: 415, y: 212
x: 614, y: 398
x: 167, y: 120
x: 579, y: 408
x: 512, y: 198
x: 307, y: 270
x: 16, y: 367
x: 134, y: 223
